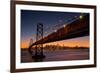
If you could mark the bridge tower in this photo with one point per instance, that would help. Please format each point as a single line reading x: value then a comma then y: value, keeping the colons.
x: 39, y: 47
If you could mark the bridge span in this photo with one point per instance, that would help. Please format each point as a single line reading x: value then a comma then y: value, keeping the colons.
x: 77, y: 28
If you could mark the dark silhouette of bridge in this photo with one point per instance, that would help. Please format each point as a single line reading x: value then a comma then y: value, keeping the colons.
x: 77, y: 28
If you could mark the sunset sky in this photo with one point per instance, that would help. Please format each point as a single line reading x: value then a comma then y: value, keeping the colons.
x: 29, y: 20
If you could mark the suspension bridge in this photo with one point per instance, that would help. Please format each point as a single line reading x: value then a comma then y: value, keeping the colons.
x: 76, y: 27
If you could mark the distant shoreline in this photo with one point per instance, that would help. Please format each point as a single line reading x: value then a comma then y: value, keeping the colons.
x: 59, y: 49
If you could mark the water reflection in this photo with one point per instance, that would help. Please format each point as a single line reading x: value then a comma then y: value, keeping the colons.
x: 57, y: 55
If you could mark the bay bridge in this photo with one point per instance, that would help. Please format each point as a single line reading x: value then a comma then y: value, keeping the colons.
x: 77, y: 26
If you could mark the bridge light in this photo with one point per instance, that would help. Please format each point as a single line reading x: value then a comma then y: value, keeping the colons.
x: 80, y: 16
x: 55, y: 30
x: 64, y: 26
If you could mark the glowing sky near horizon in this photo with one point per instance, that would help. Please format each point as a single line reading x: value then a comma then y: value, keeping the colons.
x: 29, y: 20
